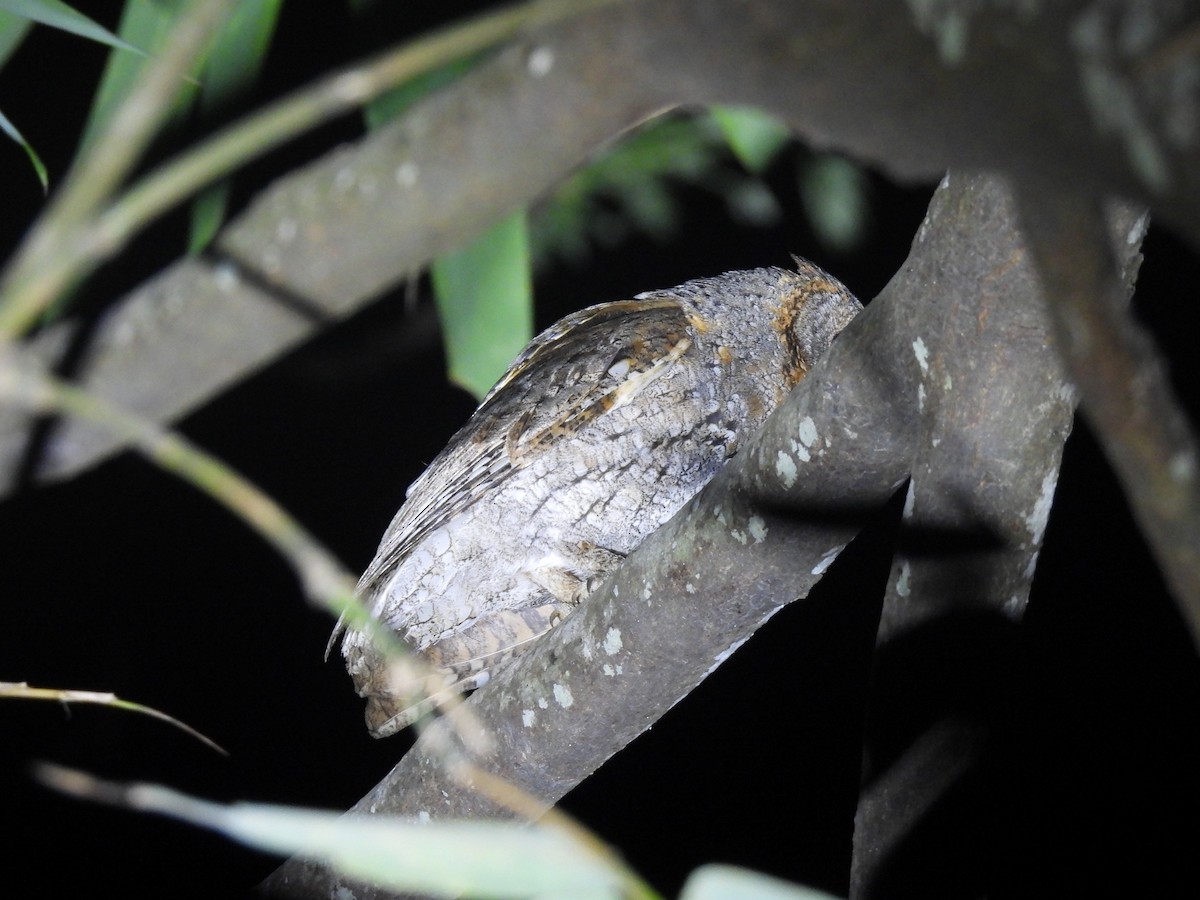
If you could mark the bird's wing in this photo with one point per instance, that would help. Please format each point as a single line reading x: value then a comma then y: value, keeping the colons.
x: 576, y: 371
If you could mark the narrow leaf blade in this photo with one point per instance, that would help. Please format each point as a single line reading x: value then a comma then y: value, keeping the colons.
x: 484, y: 296
x: 59, y: 15
x: 147, y: 25
x: 13, y: 30
x: 232, y: 65
x: 11, y: 130
x: 448, y: 859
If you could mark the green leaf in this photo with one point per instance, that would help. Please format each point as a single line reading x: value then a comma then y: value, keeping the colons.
x: 57, y: 14
x: 232, y: 64
x: 834, y: 194
x: 11, y: 130
x: 484, y: 296
x: 147, y: 25
x: 391, y: 103
x: 449, y: 859
x: 207, y: 216
x: 237, y: 54
x: 630, y: 186
x: 12, y: 31
x: 716, y: 882
x: 753, y: 135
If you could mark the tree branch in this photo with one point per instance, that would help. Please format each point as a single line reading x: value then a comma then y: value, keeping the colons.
x: 995, y: 410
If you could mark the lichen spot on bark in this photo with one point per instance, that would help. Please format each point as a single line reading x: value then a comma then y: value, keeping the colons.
x: 785, y: 468
x: 562, y: 695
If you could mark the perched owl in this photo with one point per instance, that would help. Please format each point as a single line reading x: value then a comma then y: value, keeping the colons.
x: 603, y: 427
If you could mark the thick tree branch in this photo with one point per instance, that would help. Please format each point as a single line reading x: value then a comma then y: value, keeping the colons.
x: 995, y: 410
x: 958, y: 88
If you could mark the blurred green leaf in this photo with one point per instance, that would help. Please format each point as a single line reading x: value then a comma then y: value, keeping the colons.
x: 207, y: 216
x: 232, y: 65
x: 449, y: 859
x: 484, y: 297
x: 11, y: 130
x: 753, y: 135
x: 834, y: 193
x: 390, y: 104
x: 237, y: 54
x: 13, y: 29
x: 630, y: 187
x: 147, y: 25
x: 59, y: 15
x: 717, y: 882
x: 625, y: 188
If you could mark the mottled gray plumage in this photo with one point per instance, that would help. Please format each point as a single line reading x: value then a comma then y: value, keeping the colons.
x: 604, y: 426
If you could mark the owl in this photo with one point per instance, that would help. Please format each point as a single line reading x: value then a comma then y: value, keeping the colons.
x: 604, y: 426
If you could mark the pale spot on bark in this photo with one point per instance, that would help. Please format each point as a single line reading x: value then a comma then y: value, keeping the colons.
x: 406, y: 174
x: 540, y: 62
x: 758, y: 529
x: 785, y: 468
x: 1036, y: 521
x: 807, y: 431
x: 562, y: 695
x: 612, y: 641
x: 922, y: 354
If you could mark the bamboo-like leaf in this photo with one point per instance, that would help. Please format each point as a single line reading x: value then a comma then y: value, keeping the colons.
x: 448, y: 859
x: 13, y: 29
x: 716, y: 882
x: 232, y: 65
x: 753, y: 135
x: 11, y: 130
x: 833, y: 191
x: 22, y: 691
x: 390, y: 104
x: 208, y: 213
x: 629, y: 187
x: 484, y: 297
x: 147, y: 25
x: 59, y: 15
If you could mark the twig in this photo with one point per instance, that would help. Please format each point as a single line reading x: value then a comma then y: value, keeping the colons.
x: 22, y: 691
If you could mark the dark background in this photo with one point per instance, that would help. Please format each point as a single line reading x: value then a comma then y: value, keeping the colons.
x: 127, y: 580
